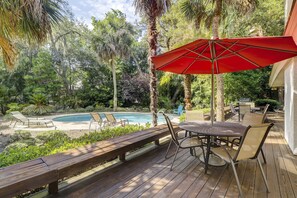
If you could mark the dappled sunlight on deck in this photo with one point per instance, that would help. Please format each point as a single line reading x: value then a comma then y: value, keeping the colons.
x: 149, y: 175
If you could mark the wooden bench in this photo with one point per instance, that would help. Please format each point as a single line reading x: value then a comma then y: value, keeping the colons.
x: 32, y: 174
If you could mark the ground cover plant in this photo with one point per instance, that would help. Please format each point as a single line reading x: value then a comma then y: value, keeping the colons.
x: 23, y: 147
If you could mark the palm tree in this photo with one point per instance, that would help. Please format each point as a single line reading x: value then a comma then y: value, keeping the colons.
x: 151, y: 10
x: 26, y: 19
x: 201, y: 11
x: 112, y: 40
x: 188, y: 93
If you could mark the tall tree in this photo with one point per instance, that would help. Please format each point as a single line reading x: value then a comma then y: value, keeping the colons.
x: 29, y: 19
x: 151, y: 10
x: 113, y: 36
x: 210, y: 12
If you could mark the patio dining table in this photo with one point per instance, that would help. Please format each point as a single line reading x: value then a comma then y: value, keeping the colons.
x: 218, y: 129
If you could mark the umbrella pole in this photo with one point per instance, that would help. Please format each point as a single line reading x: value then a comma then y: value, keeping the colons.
x: 212, y: 94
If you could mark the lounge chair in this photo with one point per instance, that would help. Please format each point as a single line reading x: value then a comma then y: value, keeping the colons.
x: 19, y: 117
x: 111, y: 121
x: 179, y: 110
x: 249, y: 148
x: 96, y: 117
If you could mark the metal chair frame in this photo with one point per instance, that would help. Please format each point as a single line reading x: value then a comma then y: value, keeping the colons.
x: 236, y: 157
x: 179, y: 142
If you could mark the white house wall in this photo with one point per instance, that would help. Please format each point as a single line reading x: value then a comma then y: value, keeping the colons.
x: 291, y: 105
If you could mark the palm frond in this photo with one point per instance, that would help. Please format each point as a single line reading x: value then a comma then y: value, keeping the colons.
x: 9, y: 53
x: 151, y: 8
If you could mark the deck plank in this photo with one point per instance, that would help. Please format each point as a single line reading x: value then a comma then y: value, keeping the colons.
x: 283, y: 177
x: 149, y: 176
x: 136, y: 183
x: 270, y: 167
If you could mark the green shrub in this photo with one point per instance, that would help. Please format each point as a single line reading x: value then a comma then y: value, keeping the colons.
x: 38, y: 109
x: 182, y: 117
x: 89, y: 109
x: 99, y: 107
x: 53, y: 136
x: 15, y: 146
x: 15, y: 107
x: 20, y: 135
x: 273, y: 104
x: 58, y: 141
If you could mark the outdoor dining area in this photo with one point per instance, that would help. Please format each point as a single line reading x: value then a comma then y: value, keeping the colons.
x: 247, y: 156
x: 149, y: 174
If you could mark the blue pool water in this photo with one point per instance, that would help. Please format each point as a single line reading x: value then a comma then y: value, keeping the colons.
x: 132, y: 117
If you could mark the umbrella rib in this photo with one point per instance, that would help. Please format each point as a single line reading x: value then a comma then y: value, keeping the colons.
x: 266, y: 48
x: 228, y: 49
x: 199, y: 54
x: 183, y: 72
x: 197, y: 58
x: 215, y: 59
x: 178, y: 58
x: 245, y: 58
x: 225, y: 49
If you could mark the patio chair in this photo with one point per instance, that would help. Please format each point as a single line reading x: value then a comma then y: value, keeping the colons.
x: 19, y: 117
x: 194, y: 115
x: 243, y: 109
x: 266, y: 109
x: 96, y: 117
x: 250, y: 119
x: 249, y: 148
x: 233, y: 110
x: 179, y: 110
x: 184, y: 143
x: 111, y: 120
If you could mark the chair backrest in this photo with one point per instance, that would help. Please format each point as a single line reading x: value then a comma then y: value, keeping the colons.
x: 232, y: 108
x: 96, y: 117
x: 170, y: 127
x: 252, y: 141
x: 18, y: 115
x: 194, y: 115
x: 252, y: 119
x: 244, y: 108
x: 110, y: 118
x: 266, y: 109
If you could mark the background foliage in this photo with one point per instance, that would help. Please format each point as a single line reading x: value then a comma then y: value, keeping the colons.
x: 69, y: 72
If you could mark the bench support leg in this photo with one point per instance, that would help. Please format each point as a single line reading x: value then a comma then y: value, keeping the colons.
x: 157, y: 142
x: 122, y: 157
x: 53, y: 188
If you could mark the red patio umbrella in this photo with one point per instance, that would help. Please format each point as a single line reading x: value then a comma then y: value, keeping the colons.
x: 214, y: 56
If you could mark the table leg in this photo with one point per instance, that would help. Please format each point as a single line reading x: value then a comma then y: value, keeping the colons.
x: 207, y: 153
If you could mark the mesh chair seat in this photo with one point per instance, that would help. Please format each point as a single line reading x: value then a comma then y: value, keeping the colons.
x: 189, y: 142
x: 184, y: 143
x: 249, y: 148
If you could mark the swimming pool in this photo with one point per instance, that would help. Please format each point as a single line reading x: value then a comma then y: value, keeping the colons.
x: 133, y: 118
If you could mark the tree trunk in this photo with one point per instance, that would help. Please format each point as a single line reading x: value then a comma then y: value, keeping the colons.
x: 152, y: 40
x: 114, y: 79
x: 188, y: 94
x: 220, y: 80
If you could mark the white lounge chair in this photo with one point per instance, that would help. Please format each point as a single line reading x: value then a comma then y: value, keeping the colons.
x: 19, y: 117
x: 96, y: 117
x: 111, y: 121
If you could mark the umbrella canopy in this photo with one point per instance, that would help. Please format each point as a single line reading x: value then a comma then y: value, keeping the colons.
x: 226, y: 55
x: 214, y: 56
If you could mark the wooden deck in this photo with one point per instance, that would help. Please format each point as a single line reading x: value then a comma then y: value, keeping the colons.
x: 149, y: 176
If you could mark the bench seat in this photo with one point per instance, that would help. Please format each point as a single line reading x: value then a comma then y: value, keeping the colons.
x: 32, y: 174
